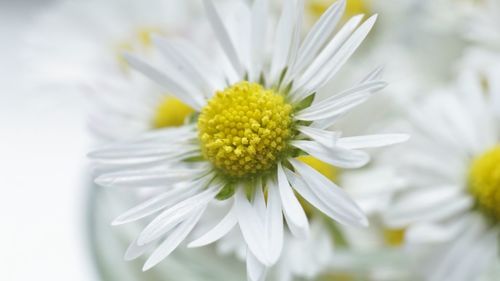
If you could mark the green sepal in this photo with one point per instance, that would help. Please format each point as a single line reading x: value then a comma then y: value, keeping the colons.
x: 305, y: 103
x: 226, y: 192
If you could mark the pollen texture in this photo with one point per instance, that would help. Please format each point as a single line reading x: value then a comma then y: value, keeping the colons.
x: 171, y: 112
x: 244, y: 129
x: 485, y: 182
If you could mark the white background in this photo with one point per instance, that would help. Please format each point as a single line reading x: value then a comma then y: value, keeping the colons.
x: 42, y: 160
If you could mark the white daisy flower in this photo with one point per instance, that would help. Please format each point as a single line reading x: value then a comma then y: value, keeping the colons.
x: 251, y: 122
x: 95, y: 35
x: 452, y: 169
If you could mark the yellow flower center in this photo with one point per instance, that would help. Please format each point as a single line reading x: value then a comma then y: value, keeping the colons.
x: 394, y: 237
x: 484, y: 182
x: 244, y: 129
x: 354, y: 7
x: 171, y: 113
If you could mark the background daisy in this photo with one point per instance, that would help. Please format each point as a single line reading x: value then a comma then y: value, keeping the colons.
x: 451, y: 199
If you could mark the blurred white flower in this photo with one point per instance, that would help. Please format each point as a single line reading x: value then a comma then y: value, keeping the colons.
x: 75, y: 42
x: 482, y: 24
x: 247, y: 135
x: 309, y: 257
x: 452, y: 166
x: 123, y: 106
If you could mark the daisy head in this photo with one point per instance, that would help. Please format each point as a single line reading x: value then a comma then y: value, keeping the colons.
x: 254, y: 113
x: 453, y: 200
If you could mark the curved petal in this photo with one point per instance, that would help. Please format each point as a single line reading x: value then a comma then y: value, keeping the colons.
x: 274, y: 222
x: 218, y: 231
x: 319, y: 34
x: 223, y: 36
x: 336, y: 156
x: 324, y: 137
x: 169, y: 218
x: 256, y: 271
x: 173, y: 239
x: 339, y: 204
x: 251, y: 226
x: 294, y: 214
x: 370, y: 141
x: 155, y: 204
x: 195, y: 100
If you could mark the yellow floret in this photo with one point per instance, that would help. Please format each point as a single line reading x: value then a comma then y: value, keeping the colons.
x: 244, y: 129
x: 171, y: 113
x: 484, y: 182
x: 394, y: 237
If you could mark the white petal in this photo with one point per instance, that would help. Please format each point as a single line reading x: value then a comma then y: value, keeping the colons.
x: 428, y: 204
x: 461, y: 125
x: 141, y: 151
x: 284, y: 39
x: 256, y: 271
x: 435, y: 232
x: 338, y: 201
x: 155, y: 204
x: 182, y: 63
x: 373, y: 182
x: 194, y: 100
x: 173, y: 239
x: 333, y: 212
x: 297, y: 35
x: 274, y: 222
x: 339, y: 104
x: 434, y: 127
x: 326, y: 138
x: 218, y: 231
x: 223, y: 36
x: 319, y: 34
x: 155, y: 177
x: 134, y: 251
x: 376, y: 74
x: 331, y: 48
x: 324, y: 68
x: 259, y: 201
x: 482, y: 254
x: 169, y: 218
x: 336, y: 156
x: 294, y: 214
x: 445, y: 264
x: 370, y: 141
x: 258, y: 37
x: 251, y: 226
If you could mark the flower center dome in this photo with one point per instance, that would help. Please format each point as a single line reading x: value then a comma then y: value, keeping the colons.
x: 484, y: 182
x: 244, y: 129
